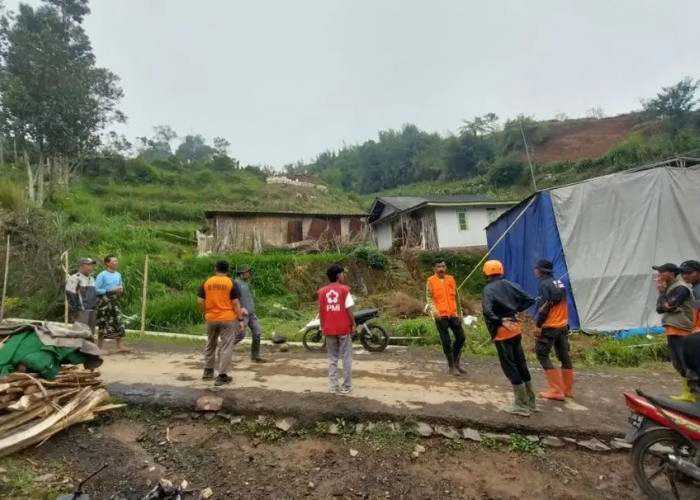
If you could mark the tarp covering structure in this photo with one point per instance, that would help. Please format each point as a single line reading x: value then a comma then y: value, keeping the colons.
x: 603, y: 235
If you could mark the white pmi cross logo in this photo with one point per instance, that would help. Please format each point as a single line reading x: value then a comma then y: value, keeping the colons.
x: 332, y: 296
x: 332, y: 301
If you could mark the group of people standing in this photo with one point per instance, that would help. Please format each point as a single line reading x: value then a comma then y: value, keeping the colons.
x: 95, y: 302
x: 229, y: 309
x: 501, y: 302
x: 679, y: 305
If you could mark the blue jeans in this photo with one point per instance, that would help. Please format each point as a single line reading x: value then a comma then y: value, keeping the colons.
x: 251, y: 321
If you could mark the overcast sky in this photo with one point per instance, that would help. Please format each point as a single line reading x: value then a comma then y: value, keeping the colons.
x: 283, y: 80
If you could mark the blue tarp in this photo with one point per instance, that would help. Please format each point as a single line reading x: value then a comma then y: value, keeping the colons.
x: 533, y: 237
x: 636, y: 332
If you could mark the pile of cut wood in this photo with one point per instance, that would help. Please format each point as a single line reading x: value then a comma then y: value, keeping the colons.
x: 33, y: 409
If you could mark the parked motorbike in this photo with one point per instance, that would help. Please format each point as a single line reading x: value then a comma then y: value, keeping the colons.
x: 372, y: 336
x: 665, y: 438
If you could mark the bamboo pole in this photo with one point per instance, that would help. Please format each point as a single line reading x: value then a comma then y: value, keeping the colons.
x: 4, y: 281
x: 65, y: 297
x: 144, y: 297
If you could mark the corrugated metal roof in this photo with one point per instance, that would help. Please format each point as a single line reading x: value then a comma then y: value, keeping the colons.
x: 388, y: 206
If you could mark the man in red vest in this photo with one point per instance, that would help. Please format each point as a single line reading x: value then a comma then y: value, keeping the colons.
x: 445, y: 309
x: 337, y: 323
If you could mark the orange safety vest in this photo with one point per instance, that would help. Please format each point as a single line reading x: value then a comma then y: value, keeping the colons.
x: 504, y: 334
x: 558, y: 316
x: 444, y: 293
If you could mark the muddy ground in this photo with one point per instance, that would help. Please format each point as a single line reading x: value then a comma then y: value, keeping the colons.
x: 238, y: 461
x: 399, y: 383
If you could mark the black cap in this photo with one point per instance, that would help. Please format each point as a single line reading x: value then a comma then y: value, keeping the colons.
x: 689, y: 266
x: 545, y: 265
x: 244, y: 269
x: 85, y: 260
x: 667, y: 268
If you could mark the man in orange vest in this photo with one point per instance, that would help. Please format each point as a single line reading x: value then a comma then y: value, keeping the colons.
x: 501, y: 301
x: 553, y: 320
x: 445, y: 309
x: 219, y: 299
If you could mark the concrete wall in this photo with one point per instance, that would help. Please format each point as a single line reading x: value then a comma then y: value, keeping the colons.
x: 449, y: 233
x: 382, y: 235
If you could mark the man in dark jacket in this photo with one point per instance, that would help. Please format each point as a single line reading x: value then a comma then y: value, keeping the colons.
x: 675, y: 303
x: 690, y: 272
x: 501, y: 301
x: 553, y: 319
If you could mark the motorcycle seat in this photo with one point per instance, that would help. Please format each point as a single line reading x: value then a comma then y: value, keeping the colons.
x: 364, y: 314
x: 691, y: 410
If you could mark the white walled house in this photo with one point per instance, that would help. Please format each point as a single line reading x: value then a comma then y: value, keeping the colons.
x: 433, y: 222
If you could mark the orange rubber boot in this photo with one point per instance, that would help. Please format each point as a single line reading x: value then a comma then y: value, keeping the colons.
x: 568, y: 379
x: 556, y: 385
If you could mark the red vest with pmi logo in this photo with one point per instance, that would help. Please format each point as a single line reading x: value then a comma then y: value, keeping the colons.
x: 331, y: 309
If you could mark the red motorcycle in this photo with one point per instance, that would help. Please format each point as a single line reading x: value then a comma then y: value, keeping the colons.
x: 665, y: 438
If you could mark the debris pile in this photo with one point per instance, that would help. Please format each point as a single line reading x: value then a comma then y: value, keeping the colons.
x: 32, y: 409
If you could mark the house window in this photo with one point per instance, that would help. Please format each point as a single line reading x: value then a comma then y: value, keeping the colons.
x: 462, y: 219
x: 491, y: 214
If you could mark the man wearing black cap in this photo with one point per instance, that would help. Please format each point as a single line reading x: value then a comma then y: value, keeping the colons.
x: 80, y: 291
x: 675, y: 303
x: 690, y: 272
x: 248, y: 312
x: 553, y: 319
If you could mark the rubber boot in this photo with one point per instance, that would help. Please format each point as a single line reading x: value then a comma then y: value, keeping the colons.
x: 531, y: 400
x: 458, y: 365
x: 451, y: 368
x: 519, y: 406
x: 567, y: 376
x: 255, y: 351
x: 686, y: 395
x: 556, y: 391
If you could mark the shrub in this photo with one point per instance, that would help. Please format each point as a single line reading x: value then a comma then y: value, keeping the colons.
x: 507, y: 171
x: 11, y: 195
x: 371, y: 256
x: 173, y: 311
x: 404, y: 306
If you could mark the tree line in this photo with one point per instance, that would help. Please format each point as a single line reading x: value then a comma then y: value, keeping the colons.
x: 498, y: 153
x: 57, y: 103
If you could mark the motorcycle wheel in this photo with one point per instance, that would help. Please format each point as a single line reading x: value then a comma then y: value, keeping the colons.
x: 314, y: 340
x: 376, y: 339
x: 653, y: 473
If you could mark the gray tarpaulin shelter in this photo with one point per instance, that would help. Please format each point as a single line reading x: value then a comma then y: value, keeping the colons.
x: 603, y: 235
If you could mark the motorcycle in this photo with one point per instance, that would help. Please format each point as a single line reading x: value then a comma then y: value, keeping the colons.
x: 372, y: 336
x: 665, y: 438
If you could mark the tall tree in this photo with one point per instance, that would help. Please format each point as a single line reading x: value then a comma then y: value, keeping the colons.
x: 157, y: 147
x: 194, y: 149
x: 55, y: 100
x: 674, y: 103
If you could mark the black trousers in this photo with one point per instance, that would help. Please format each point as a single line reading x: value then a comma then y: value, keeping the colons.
x: 557, y: 338
x: 512, y: 358
x: 691, y: 356
x: 675, y: 351
x: 452, y: 351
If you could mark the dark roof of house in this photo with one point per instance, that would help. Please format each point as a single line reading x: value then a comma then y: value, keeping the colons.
x: 389, y: 206
x: 209, y: 214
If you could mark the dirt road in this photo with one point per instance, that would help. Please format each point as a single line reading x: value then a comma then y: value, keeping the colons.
x: 398, y: 383
x: 237, y: 464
